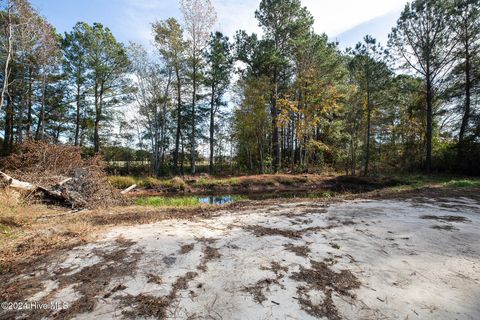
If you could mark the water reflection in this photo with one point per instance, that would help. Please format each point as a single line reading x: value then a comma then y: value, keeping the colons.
x: 218, y: 200
x: 226, y: 199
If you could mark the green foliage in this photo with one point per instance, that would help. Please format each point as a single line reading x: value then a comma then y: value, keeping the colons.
x: 326, y: 195
x: 465, y: 183
x: 252, y: 123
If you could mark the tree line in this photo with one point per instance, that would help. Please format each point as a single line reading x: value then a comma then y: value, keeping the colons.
x: 286, y: 100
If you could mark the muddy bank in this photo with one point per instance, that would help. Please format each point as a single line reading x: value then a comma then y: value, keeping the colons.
x: 361, y: 259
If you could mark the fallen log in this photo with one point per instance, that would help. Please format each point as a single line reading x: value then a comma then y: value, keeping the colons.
x: 133, y: 186
x: 16, y: 184
x: 54, y: 195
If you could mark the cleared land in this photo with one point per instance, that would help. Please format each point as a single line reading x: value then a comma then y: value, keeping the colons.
x: 415, y: 255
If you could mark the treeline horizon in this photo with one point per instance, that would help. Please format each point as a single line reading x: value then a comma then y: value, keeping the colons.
x: 286, y: 101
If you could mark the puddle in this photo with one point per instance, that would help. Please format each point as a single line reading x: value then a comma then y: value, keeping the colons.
x: 219, y: 200
x: 163, y: 199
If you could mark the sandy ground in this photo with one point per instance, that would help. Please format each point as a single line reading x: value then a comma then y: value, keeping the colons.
x: 362, y: 259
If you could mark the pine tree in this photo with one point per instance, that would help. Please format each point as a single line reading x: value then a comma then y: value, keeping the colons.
x: 217, y: 79
x: 424, y: 41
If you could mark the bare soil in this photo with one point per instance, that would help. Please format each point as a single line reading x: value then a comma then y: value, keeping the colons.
x: 401, y: 254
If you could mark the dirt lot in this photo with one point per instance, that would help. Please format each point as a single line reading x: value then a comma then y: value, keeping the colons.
x: 407, y: 257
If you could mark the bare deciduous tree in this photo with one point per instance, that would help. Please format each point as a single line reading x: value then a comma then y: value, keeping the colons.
x: 199, y: 18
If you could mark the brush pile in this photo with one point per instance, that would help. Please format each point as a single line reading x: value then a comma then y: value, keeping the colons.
x: 58, y: 173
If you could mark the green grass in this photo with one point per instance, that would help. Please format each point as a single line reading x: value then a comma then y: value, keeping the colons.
x: 420, y: 181
x: 464, y: 183
x: 168, y: 202
x: 326, y: 195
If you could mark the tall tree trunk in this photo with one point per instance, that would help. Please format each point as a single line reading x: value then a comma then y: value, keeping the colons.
x: 275, y: 131
x: 20, y: 121
x: 179, y: 122
x: 369, y: 117
x: 292, y: 145
x: 41, y: 119
x: 30, y: 103
x: 466, y: 112
x: 162, y: 139
x: 194, y: 102
x: 98, y: 114
x: 8, y: 135
x: 182, y: 159
x: 212, y: 128
x: 428, y: 158
x: 8, y: 57
x: 57, y: 133
x: 352, y: 154
x: 77, y: 117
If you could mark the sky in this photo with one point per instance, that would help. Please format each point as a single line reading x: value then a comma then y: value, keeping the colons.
x: 345, y: 21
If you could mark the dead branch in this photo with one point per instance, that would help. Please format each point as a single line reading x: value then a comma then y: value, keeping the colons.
x: 129, y: 189
x: 16, y: 184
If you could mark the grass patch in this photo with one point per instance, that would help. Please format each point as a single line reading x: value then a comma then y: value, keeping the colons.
x: 465, y: 183
x: 121, y: 182
x: 418, y: 181
x: 168, y: 202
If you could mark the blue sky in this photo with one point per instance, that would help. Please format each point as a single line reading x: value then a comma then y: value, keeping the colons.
x: 346, y: 21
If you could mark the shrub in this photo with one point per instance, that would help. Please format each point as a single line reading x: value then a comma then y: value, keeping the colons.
x: 121, y: 182
x: 45, y: 164
x: 149, y: 182
x: 176, y: 183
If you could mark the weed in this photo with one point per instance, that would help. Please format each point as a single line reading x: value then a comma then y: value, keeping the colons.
x: 121, y: 182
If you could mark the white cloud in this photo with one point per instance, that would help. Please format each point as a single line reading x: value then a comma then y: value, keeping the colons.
x: 236, y: 15
x: 335, y: 17
x: 332, y: 17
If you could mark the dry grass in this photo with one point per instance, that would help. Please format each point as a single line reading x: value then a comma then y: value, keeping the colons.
x: 321, y: 278
x: 209, y: 253
x: 301, y: 251
x: 199, y: 184
x: 46, y: 165
x: 261, y: 231
x: 445, y: 218
x: 32, y: 232
x: 29, y: 232
x: 258, y: 289
x: 186, y: 248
